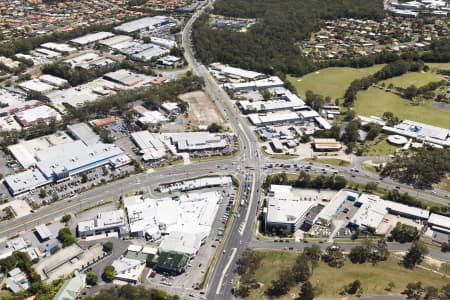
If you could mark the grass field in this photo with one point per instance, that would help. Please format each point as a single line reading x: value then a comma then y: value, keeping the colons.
x: 413, y: 78
x: 331, y: 161
x: 330, y: 81
x: 444, y: 184
x: 374, y: 279
x: 375, y: 102
x: 441, y: 66
x: 379, y: 147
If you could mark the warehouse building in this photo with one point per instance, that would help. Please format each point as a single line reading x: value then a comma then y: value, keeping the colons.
x: 60, y: 47
x: 143, y: 24
x: 118, y: 39
x: 128, y: 78
x: 91, y: 38
x: 235, y: 73
x: 37, y: 86
x: 150, y: 145
x: 84, y: 133
x: 267, y: 83
x: 104, y: 222
x: 25, y: 181
x: 276, y: 118
x: 43, y: 232
x: 36, y: 115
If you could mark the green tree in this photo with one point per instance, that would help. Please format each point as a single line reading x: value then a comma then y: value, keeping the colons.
x: 108, y: 274
x: 108, y: 246
x: 334, y: 256
x: 359, y: 254
x: 84, y: 178
x: 313, y: 253
x: 91, y: 278
x: 410, y: 92
x: 403, y: 233
x: 66, y: 218
x: 65, y: 237
x: 354, y: 287
x: 414, y: 290
x: 281, y: 285
x: 42, y: 193
x: 214, y: 127
x: 300, y: 270
x: 415, y: 254
x: 306, y: 291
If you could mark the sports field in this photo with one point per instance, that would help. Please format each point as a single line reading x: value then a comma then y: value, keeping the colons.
x: 374, y: 279
x: 374, y: 102
x: 413, y: 78
x: 330, y: 82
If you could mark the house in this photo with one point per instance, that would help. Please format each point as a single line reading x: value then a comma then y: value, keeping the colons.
x: 71, y: 287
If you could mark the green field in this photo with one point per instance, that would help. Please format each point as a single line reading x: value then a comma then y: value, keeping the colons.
x: 374, y: 102
x: 374, y: 279
x: 441, y: 66
x: 413, y: 78
x: 330, y: 81
x: 330, y: 161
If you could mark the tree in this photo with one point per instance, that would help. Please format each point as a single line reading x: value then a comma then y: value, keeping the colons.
x: 354, y: 287
x: 410, y: 92
x: 84, y: 178
x: 300, y: 269
x: 214, y: 127
x: 66, y: 237
x: 108, y: 274
x: 306, y: 291
x: 415, y: 254
x: 445, y: 247
x: 91, y: 278
x: 313, y: 253
x: 403, y: 233
x: 390, y: 286
x: 371, y: 186
x: 108, y: 247
x: 66, y: 218
x: 359, y: 254
x: 42, y: 193
x: 445, y: 292
x: 334, y: 256
x: 281, y: 285
x: 414, y: 290
x: 380, y: 252
x: 431, y: 292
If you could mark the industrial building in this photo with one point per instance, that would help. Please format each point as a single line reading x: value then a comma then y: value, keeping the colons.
x: 152, y: 117
x: 286, y: 101
x: 267, y: 83
x: 117, y: 39
x: 171, y: 107
x: 197, y: 141
x: 128, y: 78
x: 143, y: 24
x: 84, y: 133
x: 25, y: 181
x: 60, y: 47
x: 128, y: 270
x: 276, y: 118
x: 43, y: 232
x: 35, y: 85
x: 89, y: 61
x: 182, y: 242
x: 36, y: 115
x: 235, y: 73
x: 150, y: 145
x: 103, y: 222
x: 91, y: 38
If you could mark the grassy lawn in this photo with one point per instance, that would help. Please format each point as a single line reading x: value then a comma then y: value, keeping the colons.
x: 441, y: 66
x: 374, y: 279
x: 330, y: 161
x: 279, y: 156
x: 379, y: 146
x: 370, y: 167
x: 374, y: 102
x: 444, y: 184
x: 416, y: 78
x: 330, y: 81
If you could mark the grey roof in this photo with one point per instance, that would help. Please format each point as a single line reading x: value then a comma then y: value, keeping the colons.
x: 142, y: 23
x: 83, y: 132
x: 43, y: 231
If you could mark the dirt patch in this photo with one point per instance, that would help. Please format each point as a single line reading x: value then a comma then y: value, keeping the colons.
x: 441, y: 105
x: 202, y: 111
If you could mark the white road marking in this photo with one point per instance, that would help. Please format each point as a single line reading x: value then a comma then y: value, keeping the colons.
x: 230, y: 260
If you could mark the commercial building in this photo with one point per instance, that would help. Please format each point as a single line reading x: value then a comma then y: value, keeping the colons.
x: 143, y: 24
x: 151, y: 52
x: 326, y: 145
x: 36, y: 115
x: 427, y: 134
x: 171, y: 107
x: 43, y: 232
x: 276, y: 118
x: 163, y: 42
x: 89, y: 61
x: 181, y: 242
x: 199, y: 183
x: 267, y: 83
x: 171, y: 262
x: 152, y: 117
x: 439, y: 223
x: 169, y: 60
x: 197, y: 141
x: 128, y: 270
x: 91, y: 38
x: 111, y: 221
x: 53, y: 80
x: 18, y: 106
x: 72, y: 287
x: 335, y: 204
x: 235, y: 73
x: 25, y: 181
x: 286, y: 101
x: 118, y: 39
x: 150, y: 145
x: 286, y: 213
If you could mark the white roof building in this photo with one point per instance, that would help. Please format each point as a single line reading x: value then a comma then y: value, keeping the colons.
x: 103, y: 221
x: 281, y: 117
x: 422, y: 132
x: 181, y: 242
x: 60, y: 47
x: 44, y: 232
x: 128, y: 78
x: 330, y: 210
x: 91, y: 37
x: 82, y: 131
x: 53, y: 80
x: 236, y: 72
x: 37, y: 115
x: 271, y: 82
x: 128, y: 269
x: 116, y: 40
x: 150, y: 145
x: 25, y: 181
x: 36, y: 85
x: 163, y: 42
x: 196, y: 141
x: 146, y: 23
x: 439, y: 222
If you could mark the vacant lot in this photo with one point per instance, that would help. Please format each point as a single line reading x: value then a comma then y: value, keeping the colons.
x: 330, y: 82
x: 374, y: 279
x: 374, y: 102
x: 202, y: 111
x: 414, y: 78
